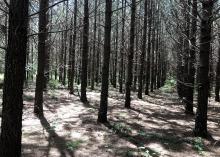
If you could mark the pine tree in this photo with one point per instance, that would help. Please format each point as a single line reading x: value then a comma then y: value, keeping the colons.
x: 11, y: 126
x: 102, y: 115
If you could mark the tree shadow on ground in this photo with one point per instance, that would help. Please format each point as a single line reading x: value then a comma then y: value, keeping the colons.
x: 160, y: 122
x: 59, y: 142
x: 130, y: 138
x: 164, y: 137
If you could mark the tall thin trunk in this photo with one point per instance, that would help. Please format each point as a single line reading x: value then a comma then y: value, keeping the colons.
x: 149, y: 50
x: 65, y: 45
x: 130, y: 56
x: 121, y: 70
x: 48, y: 48
x: 98, y: 56
x: 186, y: 49
x: 191, y: 61
x: 73, y: 51
x: 153, y: 51
x: 143, y: 52
x: 116, y: 50
x: 42, y: 38
x: 211, y: 72
x: 203, y: 77
x: 94, y: 47
x: 15, y: 60
x: 217, y: 86
x: 61, y: 57
x: 32, y: 61
x: 85, y: 50
x: 102, y: 115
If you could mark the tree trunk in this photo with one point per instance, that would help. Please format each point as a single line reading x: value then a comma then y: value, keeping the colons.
x: 191, y: 61
x: 203, y: 77
x: 149, y: 50
x: 42, y: 39
x: 153, y: 50
x: 11, y: 126
x: 116, y: 50
x: 47, y: 60
x: 65, y: 44
x: 94, y: 47
x: 85, y: 50
x: 73, y: 51
x: 217, y: 86
x: 102, y: 115
x: 130, y: 56
x: 143, y: 52
x: 61, y: 58
x: 121, y: 70
x: 98, y: 56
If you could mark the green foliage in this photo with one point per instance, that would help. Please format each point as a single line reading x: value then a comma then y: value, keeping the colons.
x: 146, y: 152
x: 129, y: 153
x: 28, y: 97
x: 91, y: 110
x: 170, y: 85
x: 73, y: 145
x: 54, y: 84
x: 142, y: 152
x: 198, y: 145
x: 121, y: 128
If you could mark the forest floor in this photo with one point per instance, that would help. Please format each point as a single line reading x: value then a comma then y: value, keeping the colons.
x: 155, y: 126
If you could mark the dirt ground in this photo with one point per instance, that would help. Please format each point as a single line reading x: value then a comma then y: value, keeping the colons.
x: 155, y: 126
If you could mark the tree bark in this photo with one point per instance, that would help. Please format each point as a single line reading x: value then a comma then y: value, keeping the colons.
x: 203, y: 77
x: 11, y: 126
x: 94, y: 47
x: 191, y: 61
x: 73, y: 51
x: 130, y: 57
x: 116, y: 50
x: 85, y: 50
x: 102, y: 115
x: 149, y: 50
x: 143, y: 52
x: 217, y: 86
x: 65, y: 44
x: 42, y: 48
x: 121, y: 70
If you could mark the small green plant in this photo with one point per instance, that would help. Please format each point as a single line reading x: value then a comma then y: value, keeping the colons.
x: 146, y: 152
x: 170, y: 85
x: 73, y: 145
x: 198, y: 145
x: 54, y: 84
x: 28, y: 97
x: 129, y: 153
x: 121, y: 128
